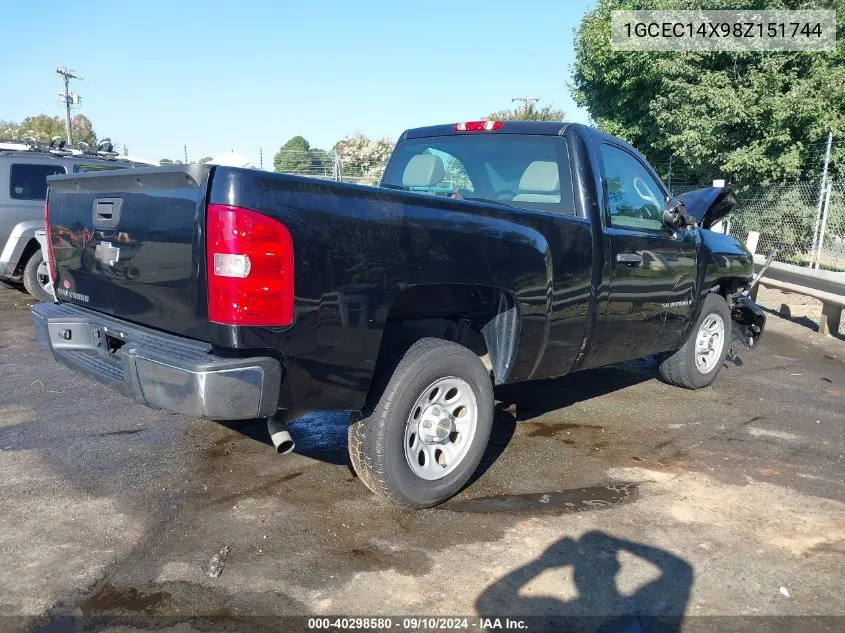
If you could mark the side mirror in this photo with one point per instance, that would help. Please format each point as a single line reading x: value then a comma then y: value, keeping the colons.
x: 675, y: 215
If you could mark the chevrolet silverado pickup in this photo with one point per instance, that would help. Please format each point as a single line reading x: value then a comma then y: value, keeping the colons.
x: 491, y: 252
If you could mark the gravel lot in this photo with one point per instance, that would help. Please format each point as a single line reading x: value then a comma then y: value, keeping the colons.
x: 603, y: 493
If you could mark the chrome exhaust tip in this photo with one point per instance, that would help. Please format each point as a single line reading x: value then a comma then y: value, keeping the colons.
x: 280, y: 436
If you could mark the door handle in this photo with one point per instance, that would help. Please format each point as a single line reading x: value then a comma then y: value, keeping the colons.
x: 629, y: 259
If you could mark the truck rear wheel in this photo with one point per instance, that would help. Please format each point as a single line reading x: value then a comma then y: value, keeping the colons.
x: 698, y: 362
x: 36, y: 277
x: 424, y: 438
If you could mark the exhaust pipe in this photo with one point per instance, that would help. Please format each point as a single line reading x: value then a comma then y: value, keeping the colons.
x: 279, y: 435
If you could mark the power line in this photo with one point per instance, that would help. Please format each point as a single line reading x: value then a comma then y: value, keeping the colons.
x: 68, y: 98
x: 527, y: 102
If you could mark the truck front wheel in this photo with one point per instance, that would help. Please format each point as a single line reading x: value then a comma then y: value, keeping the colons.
x: 698, y: 362
x: 426, y: 434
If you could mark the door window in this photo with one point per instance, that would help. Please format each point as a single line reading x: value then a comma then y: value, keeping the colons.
x: 29, y: 182
x: 634, y: 199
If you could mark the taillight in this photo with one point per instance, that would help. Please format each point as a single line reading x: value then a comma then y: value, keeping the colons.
x: 249, y: 262
x: 47, y: 238
x: 478, y: 126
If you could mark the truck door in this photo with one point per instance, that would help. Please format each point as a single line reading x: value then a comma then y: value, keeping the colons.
x: 652, y: 270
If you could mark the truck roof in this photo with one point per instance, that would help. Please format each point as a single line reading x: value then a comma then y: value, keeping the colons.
x: 547, y: 128
x: 5, y: 150
x: 542, y: 128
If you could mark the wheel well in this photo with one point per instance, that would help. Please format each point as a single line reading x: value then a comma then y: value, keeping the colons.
x: 32, y: 247
x: 481, y: 318
x: 729, y: 286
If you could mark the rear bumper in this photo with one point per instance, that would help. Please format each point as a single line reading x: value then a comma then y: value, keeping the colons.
x: 157, y: 369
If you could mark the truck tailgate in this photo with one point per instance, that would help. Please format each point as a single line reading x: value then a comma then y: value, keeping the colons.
x: 126, y: 244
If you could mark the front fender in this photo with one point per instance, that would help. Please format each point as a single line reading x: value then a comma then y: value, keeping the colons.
x: 13, y: 250
x: 723, y: 258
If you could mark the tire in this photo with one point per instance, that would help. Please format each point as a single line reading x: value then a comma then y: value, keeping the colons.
x: 681, y: 368
x: 433, y: 381
x: 31, y: 278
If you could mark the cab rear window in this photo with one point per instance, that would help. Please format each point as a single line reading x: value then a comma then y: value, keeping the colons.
x: 83, y: 167
x: 520, y: 171
x: 28, y: 181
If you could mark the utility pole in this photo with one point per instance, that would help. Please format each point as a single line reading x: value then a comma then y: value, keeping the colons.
x: 813, y: 261
x: 69, y: 98
x: 670, y: 172
x: 261, y: 157
x: 185, y: 147
x: 527, y: 102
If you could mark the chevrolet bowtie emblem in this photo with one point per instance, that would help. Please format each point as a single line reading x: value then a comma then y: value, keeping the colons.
x: 107, y: 253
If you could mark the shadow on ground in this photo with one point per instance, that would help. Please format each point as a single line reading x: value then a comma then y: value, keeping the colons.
x: 657, y: 605
x: 534, y: 398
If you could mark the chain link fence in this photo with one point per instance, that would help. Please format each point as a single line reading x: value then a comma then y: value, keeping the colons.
x: 325, y: 164
x: 805, y: 220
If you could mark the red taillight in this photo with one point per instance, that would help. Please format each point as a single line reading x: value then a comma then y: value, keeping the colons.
x: 478, y: 126
x: 249, y: 262
x: 49, y: 240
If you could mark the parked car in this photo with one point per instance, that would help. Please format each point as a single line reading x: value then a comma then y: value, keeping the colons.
x: 23, y: 189
x: 492, y: 252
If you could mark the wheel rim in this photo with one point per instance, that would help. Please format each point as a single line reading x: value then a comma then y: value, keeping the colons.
x: 42, y: 273
x: 709, y: 343
x: 440, y: 428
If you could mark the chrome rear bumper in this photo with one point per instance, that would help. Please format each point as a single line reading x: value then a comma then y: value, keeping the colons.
x: 157, y: 369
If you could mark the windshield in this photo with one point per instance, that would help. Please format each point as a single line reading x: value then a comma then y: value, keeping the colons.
x: 520, y: 171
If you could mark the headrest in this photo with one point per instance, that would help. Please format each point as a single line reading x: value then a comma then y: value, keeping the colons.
x: 423, y: 170
x: 541, y: 176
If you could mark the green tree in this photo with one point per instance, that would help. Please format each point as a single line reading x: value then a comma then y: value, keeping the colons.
x: 528, y: 112
x: 9, y: 131
x: 44, y: 128
x: 759, y: 116
x: 205, y: 159
x: 167, y: 161
x: 82, y: 130
x: 294, y: 156
x: 321, y: 161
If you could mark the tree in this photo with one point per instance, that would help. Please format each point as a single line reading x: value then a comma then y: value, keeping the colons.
x: 205, y: 159
x: 167, y: 161
x: 294, y: 156
x: 44, y: 128
x: 362, y: 156
x: 82, y: 130
x: 761, y: 117
x: 9, y: 131
x: 528, y: 112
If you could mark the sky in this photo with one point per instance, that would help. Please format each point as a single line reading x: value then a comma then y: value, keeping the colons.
x: 221, y: 76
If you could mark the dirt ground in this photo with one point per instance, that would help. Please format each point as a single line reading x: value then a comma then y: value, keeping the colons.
x: 798, y: 308
x: 606, y: 493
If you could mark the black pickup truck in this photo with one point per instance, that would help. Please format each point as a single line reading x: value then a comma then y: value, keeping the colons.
x: 492, y: 252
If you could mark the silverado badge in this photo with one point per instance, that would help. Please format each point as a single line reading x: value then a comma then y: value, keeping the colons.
x: 107, y: 253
